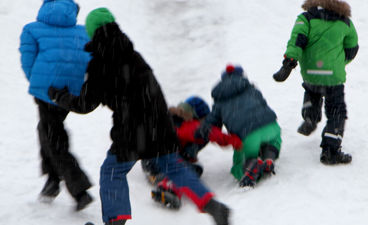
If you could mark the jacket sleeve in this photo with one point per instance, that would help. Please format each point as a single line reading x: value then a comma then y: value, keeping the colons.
x: 299, y: 38
x: 86, y: 102
x: 351, y: 44
x: 28, y: 50
x: 186, y: 132
x: 212, y: 119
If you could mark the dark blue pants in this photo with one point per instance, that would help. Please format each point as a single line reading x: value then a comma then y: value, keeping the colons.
x: 335, y: 109
x: 114, y: 189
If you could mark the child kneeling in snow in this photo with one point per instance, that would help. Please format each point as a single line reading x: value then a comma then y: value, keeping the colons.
x: 242, y: 109
x: 186, y: 116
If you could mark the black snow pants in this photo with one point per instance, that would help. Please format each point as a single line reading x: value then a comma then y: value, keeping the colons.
x: 57, y: 161
x: 335, y: 110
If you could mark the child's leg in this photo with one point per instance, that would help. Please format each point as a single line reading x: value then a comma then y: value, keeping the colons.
x: 269, y: 133
x: 312, y: 109
x: 114, y: 189
x: 333, y: 132
x: 335, y: 109
x: 184, y: 180
x: 312, y: 105
x: 271, y: 142
x: 250, y: 150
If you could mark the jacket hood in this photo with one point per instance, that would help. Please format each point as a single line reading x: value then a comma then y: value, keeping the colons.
x: 229, y: 87
x: 340, y: 7
x: 109, y: 43
x: 62, y: 13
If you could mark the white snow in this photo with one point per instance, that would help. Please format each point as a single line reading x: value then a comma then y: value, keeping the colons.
x: 188, y: 43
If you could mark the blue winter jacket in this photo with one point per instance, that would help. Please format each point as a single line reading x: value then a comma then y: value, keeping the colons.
x: 52, y: 49
x: 239, y: 106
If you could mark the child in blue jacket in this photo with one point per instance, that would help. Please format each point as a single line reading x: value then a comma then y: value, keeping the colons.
x: 241, y: 108
x: 52, y: 53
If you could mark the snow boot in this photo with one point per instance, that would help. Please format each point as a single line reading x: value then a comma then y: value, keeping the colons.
x: 117, y: 222
x: 152, y: 171
x: 218, y: 211
x: 51, y: 188
x: 83, y: 199
x: 166, y: 197
x: 268, y: 154
x: 307, y: 127
x: 253, y: 172
x: 269, y: 167
x: 330, y: 156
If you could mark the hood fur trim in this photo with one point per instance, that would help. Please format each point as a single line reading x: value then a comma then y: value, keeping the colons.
x: 340, y: 7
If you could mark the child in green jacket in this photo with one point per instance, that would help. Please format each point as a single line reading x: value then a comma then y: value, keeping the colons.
x: 324, y: 41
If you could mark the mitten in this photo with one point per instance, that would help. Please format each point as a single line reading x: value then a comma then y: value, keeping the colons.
x: 217, y: 136
x: 287, y: 65
x: 235, y: 141
x: 55, y: 93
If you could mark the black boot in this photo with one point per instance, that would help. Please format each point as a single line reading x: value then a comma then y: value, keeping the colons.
x: 307, y: 127
x: 331, y: 156
x: 118, y: 222
x: 218, y: 211
x: 166, y: 197
x: 83, y: 199
x: 253, y: 171
x: 269, y: 154
x: 51, y: 188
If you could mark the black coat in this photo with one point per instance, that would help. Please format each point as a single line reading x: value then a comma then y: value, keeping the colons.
x: 118, y: 76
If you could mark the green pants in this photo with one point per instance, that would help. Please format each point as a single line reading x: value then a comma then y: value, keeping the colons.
x: 268, y: 134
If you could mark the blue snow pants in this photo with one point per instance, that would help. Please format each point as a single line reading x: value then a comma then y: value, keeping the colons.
x: 114, y: 189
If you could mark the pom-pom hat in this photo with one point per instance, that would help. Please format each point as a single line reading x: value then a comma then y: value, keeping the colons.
x: 232, y: 70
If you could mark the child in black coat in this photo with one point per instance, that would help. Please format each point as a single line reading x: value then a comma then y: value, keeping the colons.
x: 120, y: 78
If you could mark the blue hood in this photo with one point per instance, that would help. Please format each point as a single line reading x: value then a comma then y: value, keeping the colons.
x: 230, y: 86
x: 62, y: 13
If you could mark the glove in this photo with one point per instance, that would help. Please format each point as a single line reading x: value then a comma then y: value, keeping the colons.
x: 55, y: 93
x: 287, y: 65
x: 224, y: 139
x: 217, y: 136
x: 235, y: 141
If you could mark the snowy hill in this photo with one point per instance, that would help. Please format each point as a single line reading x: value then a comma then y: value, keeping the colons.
x: 188, y: 43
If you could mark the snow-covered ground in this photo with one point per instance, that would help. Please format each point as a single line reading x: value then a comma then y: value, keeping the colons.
x: 188, y: 43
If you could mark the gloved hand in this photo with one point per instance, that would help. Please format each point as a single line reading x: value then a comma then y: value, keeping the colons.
x: 224, y: 139
x: 235, y: 141
x: 287, y: 65
x: 217, y: 136
x: 55, y: 93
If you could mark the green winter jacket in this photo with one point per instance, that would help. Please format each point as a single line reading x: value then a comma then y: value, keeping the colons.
x: 323, y: 42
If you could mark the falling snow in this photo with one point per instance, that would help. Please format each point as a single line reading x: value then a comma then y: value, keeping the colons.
x: 188, y: 43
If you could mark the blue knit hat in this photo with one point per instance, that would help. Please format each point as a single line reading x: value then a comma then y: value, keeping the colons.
x: 199, y: 106
x: 231, y: 69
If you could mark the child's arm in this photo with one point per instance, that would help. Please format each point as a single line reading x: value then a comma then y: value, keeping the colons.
x: 28, y: 50
x: 222, y: 139
x: 186, y: 132
x: 351, y: 44
x: 298, y: 41
x: 85, y: 103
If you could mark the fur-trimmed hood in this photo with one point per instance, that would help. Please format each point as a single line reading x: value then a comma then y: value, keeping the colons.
x: 340, y: 7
